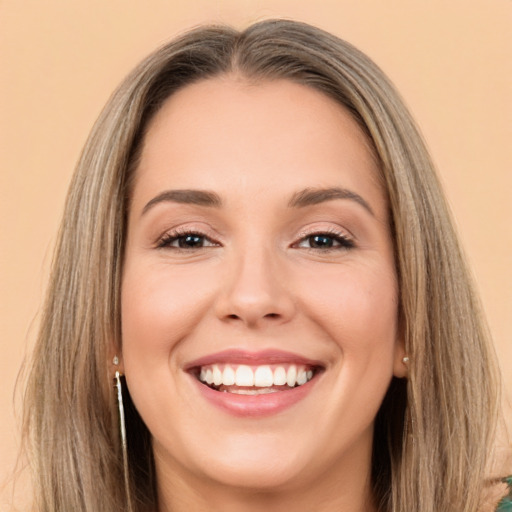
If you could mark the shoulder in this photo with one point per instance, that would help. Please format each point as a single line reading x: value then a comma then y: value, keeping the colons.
x: 505, y: 504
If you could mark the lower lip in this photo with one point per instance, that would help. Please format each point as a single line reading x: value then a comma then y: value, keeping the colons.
x: 255, y: 405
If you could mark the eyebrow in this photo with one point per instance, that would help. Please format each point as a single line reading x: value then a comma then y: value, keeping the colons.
x: 301, y: 199
x: 197, y: 197
x: 312, y: 196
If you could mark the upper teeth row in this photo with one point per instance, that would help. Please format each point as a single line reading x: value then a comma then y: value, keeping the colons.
x: 259, y: 376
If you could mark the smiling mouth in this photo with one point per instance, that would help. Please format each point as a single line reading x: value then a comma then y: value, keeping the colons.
x: 243, y: 379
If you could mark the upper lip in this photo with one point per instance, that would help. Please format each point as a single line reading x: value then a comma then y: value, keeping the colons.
x: 237, y: 356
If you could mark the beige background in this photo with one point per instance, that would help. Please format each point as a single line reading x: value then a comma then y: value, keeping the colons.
x: 60, y: 60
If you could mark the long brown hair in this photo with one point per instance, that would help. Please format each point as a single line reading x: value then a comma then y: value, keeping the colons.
x: 434, y: 431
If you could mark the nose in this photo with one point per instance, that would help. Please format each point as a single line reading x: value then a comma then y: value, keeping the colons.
x: 255, y: 291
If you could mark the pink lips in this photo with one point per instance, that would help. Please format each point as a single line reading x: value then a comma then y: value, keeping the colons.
x: 252, y: 358
x: 253, y: 405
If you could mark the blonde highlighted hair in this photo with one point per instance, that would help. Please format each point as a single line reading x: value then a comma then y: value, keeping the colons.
x: 434, y: 431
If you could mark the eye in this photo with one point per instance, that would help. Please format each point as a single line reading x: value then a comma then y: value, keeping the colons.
x: 325, y: 241
x: 189, y: 240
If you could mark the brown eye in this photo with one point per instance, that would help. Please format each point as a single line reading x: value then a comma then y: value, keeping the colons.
x: 190, y: 241
x: 326, y: 241
x: 321, y: 241
x: 186, y: 241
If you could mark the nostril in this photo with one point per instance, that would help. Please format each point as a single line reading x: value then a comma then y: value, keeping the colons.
x: 268, y: 315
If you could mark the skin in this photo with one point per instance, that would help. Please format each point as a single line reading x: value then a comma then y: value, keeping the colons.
x: 258, y: 282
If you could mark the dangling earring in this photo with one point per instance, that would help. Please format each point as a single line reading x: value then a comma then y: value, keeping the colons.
x: 122, y: 426
x: 408, y: 421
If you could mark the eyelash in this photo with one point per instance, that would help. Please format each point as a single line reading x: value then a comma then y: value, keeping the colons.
x: 175, y: 236
x: 343, y: 241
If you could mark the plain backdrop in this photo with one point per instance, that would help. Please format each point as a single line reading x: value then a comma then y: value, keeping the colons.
x: 61, y: 59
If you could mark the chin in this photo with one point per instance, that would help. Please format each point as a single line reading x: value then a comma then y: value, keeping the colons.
x: 257, y: 461
x: 255, y: 475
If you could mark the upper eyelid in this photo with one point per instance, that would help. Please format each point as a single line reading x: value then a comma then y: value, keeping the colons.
x: 181, y: 230
x: 333, y: 231
x: 304, y: 233
x: 180, y: 234
x: 331, y: 234
x: 177, y: 232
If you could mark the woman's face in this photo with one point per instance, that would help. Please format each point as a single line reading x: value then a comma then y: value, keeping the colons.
x: 259, y: 260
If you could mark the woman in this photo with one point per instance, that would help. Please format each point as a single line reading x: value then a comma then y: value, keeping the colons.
x: 256, y: 239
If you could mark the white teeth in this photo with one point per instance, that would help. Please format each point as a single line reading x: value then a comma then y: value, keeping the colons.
x: 302, y: 378
x: 244, y: 376
x: 217, y: 375
x: 263, y: 377
x: 228, y: 376
x: 291, y: 375
x: 280, y: 376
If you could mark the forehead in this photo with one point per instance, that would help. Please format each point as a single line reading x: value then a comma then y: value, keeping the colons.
x: 228, y: 134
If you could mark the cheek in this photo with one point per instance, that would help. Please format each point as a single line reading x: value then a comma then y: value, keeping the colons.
x: 365, y: 330
x: 357, y: 308
x: 159, y: 307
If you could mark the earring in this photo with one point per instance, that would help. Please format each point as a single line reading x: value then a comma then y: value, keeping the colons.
x: 408, y: 430
x: 122, y: 425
